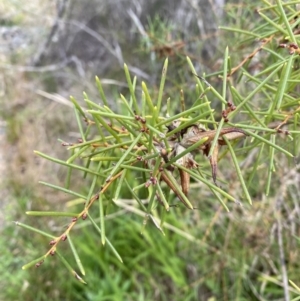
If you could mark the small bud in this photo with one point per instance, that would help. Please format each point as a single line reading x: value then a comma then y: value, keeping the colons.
x: 52, y: 242
x: 293, y: 45
x: 74, y: 219
x: 224, y: 113
x: 84, y: 216
x: 52, y: 252
x: 153, y: 180
x: 64, y: 237
x: 39, y: 264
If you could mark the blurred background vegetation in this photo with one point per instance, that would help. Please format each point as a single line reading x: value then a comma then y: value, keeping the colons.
x: 52, y: 49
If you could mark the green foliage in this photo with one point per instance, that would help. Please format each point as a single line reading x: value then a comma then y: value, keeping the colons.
x: 129, y: 153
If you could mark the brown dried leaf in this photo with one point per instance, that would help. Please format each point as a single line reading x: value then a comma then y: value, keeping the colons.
x: 185, y: 181
x: 214, y: 163
x: 175, y: 190
x: 194, y: 134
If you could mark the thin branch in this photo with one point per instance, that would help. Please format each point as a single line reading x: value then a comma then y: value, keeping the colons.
x: 47, y: 68
x: 281, y: 252
x: 250, y: 56
x: 61, y: 8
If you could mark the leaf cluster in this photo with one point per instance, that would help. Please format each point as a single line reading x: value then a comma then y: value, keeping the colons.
x: 139, y: 149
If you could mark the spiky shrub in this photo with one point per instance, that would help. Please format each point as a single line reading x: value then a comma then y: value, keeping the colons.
x: 151, y: 151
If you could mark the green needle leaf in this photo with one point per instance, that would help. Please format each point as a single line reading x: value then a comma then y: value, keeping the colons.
x: 70, y: 269
x: 34, y: 230
x: 33, y: 262
x: 239, y: 173
x: 51, y: 213
x: 162, y: 84
x: 106, y: 239
x: 76, y: 256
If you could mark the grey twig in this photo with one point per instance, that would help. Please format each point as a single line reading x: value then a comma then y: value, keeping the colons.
x: 61, y: 8
x: 115, y: 51
x: 281, y: 251
x: 46, y: 68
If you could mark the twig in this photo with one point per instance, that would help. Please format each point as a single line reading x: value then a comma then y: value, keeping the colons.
x: 116, y: 52
x: 47, y: 68
x: 281, y: 251
x: 99, y: 38
x: 250, y: 56
x: 83, y: 214
x: 61, y: 8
